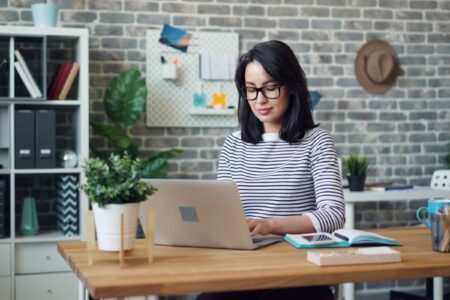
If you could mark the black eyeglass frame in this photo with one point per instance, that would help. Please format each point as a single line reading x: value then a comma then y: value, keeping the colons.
x: 261, y: 89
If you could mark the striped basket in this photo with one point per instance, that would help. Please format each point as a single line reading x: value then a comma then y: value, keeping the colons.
x: 67, y: 205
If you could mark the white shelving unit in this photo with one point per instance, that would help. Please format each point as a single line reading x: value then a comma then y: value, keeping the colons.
x: 30, y: 267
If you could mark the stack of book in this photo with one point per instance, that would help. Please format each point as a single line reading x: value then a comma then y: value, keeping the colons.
x: 63, y: 81
x: 26, y: 76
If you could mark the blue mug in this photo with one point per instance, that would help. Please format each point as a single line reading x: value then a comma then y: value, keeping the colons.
x: 434, y: 206
x: 44, y: 15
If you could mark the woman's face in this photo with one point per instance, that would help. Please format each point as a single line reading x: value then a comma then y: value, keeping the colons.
x: 269, y: 111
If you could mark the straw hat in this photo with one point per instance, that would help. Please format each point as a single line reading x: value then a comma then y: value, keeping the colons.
x: 376, y: 66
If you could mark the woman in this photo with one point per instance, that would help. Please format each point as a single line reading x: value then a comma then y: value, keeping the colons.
x: 285, y: 167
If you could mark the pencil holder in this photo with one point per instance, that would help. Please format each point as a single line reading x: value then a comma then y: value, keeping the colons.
x: 440, y: 232
x: 169, y: 71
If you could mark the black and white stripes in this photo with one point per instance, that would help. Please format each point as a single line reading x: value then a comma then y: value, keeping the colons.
x: 278, y: 179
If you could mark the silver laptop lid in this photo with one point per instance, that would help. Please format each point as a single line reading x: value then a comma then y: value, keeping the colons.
x: 197, y: 213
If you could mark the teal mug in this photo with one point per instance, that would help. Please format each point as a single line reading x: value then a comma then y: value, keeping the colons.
x: 434, y: 206
x: 45, y: 15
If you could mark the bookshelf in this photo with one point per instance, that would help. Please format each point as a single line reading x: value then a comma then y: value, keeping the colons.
x: 30, y: 267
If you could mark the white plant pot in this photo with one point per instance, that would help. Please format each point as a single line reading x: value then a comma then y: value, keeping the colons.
x: 107, y: 225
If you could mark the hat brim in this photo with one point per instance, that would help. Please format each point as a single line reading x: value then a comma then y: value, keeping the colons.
x: 361, y: 75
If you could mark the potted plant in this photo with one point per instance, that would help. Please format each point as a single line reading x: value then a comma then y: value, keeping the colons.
x: 114, y: 187
x: 124, y: 101
x: 357, y: 166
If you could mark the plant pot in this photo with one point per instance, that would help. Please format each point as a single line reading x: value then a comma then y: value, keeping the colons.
x: 107, y: 225
x: 356, y: 183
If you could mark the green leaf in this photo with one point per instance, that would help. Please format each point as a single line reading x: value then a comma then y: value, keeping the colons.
x: 356, y: 165
x: 114, y: 134
x: 125, y: 97
x: 155, y: 168
x: 168, y: 154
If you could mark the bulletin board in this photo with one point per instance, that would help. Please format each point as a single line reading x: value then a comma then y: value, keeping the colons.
x: 170, y: 102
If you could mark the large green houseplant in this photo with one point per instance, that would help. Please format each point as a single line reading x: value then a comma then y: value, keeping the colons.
x: 356, y: 166
x: 124, y: 101
x: 114, y: 187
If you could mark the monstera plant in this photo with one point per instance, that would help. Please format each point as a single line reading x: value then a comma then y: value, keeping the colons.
x: 124, y: 101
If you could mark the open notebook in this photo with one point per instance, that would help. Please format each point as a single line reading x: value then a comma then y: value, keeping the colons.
x: 345, y: 238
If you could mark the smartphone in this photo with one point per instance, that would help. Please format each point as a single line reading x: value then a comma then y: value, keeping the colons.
x: 318, y: 238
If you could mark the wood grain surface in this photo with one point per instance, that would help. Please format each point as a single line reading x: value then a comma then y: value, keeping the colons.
x: 181, y: 270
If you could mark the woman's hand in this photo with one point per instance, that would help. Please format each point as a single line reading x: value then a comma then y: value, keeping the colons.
x: 260, y: 226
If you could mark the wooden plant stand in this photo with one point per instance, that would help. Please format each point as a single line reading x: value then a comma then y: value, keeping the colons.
x: 94, y: 254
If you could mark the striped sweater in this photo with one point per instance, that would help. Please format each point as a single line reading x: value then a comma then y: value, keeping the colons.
x: 278, y: 179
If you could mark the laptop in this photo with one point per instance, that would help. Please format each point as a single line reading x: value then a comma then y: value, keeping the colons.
x: 199, y: 213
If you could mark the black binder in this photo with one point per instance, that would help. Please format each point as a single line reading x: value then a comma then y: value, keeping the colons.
x: 24, y: 137
x: 2, y: 208
x: 45, y: 139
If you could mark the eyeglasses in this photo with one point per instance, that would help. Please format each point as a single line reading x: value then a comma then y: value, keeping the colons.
x: 269, y: 91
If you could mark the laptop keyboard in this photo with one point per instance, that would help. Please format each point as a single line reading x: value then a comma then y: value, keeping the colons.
x: 258, y: 239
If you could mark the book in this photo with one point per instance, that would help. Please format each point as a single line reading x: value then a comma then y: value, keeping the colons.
x: 69, y: 81
x: 60, y: 79
x: 392, y: 187
x: 28, y: 74
x: 52, y: 86
x: 25, y: 80
x: 370, y: 255
x: 345, y: 238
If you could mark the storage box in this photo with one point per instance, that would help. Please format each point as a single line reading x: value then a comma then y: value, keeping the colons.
x: 67, y: 205
x: 354, y: 256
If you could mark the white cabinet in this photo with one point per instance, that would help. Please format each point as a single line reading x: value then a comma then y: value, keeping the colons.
x: 30, y: 266
x: 49, y: 287
x: 38, y: 258
x: 5, y: 288
x: 5, y: 260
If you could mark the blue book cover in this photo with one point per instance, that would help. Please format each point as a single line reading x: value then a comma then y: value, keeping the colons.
x: 344, y: 238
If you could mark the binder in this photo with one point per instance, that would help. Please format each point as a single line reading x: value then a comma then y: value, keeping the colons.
x: 2, y: 208
x: 24, y: 137
x: 45, y: 139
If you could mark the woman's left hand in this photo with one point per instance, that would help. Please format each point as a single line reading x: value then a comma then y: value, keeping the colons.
x: 260, y: 226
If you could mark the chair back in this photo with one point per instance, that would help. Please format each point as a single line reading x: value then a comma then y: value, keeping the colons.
x: 441, y: 180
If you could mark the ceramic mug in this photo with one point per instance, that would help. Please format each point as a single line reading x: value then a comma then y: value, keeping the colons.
x: 434, y: 205
x: 45, y: 15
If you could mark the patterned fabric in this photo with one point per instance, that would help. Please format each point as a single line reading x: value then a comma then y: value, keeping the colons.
x: 67, y: 205
x: 278, y: 179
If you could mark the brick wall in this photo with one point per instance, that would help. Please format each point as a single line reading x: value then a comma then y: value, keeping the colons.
x: 404, y: 132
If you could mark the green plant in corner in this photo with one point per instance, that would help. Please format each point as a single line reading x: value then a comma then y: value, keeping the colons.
x: 116, y: 180
x: 124, y: 101
x: 356, y: 165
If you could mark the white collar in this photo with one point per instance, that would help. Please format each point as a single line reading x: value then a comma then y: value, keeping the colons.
x: 271, y: 137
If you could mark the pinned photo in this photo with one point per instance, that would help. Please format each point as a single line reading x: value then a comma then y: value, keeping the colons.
x: 175, y: 37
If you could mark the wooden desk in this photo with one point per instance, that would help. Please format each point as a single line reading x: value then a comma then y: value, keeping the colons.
x: 180, y: 270
x: 418, y: 193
